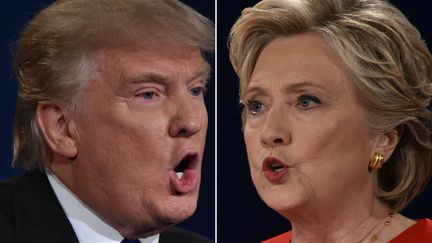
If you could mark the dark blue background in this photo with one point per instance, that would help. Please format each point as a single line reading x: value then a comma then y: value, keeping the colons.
x: 14, y: 16
x: 242, y: 216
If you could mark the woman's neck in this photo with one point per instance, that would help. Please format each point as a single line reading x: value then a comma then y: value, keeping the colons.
x: 339, y: 223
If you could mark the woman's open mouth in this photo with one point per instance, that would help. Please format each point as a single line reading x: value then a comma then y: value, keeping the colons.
x: 274, y: 169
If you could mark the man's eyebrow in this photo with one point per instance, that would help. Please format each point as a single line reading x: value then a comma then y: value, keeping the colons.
x: 203, y: 70
x: 149, y: 78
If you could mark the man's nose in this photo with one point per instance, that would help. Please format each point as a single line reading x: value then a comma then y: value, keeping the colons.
x: 276, y: 130
x: 187, y: 120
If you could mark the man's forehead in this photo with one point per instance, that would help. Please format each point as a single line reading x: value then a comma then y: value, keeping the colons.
x: 203, y: 69
x: 162, y: 49
x: 137, y: 65
x: 151, y: 57
x: 163, y: 77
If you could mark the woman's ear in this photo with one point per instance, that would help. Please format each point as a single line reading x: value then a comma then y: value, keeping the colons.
x: 386, y: 142
x: 55, y: 126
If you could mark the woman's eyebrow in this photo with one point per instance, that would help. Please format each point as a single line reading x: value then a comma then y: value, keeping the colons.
x: 298, y: 86
x: 255, y: 89
x: 289, y: 88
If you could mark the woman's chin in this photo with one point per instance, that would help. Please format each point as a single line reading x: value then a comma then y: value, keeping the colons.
x: 283, y: 203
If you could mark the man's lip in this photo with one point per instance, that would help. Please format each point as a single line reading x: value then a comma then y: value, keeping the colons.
x: 274, y: 175
x: 186, y: 184
x: 191, y: 155
x: 186, y: 165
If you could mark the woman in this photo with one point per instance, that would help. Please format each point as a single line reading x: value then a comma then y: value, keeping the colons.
x: 337, y: 119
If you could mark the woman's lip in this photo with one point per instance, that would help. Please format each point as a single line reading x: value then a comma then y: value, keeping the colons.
x: 272, y: 175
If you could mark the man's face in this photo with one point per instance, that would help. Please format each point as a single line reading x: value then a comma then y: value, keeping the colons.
x: 141, y: 131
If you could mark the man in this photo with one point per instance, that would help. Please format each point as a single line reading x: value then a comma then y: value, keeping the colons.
x: 110, y: 123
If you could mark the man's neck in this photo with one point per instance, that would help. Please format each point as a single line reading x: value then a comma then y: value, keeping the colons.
x: 87, y: 224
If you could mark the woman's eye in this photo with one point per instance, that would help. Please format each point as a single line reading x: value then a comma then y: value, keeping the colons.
x: 197, y: 91
x: 255, y: 106
x: 307, y: 102
x: 148, y: 95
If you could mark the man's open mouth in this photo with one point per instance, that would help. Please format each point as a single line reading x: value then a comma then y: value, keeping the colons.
x: 184, y: 177
x: 188, y: 162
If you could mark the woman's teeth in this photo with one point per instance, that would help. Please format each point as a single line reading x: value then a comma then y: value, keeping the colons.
x: 276, y: 167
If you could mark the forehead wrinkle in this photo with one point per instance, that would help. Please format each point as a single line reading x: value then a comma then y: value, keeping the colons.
x: 150, y: 77
x: 288, y: 88
x: 254, y: 89
x: 163, y: 79
x: 301, y: 86
x: 109, y: 67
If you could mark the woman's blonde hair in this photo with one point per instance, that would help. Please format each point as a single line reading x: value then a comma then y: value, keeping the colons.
x: 53, y: 58
x: 389, y: 64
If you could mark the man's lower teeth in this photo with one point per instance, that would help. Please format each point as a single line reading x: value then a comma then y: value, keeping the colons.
x: 277, y: 170
x: 179, y: 175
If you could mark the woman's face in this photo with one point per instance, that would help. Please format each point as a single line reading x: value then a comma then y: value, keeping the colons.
x: 306, y: 134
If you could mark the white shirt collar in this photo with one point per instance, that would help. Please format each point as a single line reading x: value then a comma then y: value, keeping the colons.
x: 88, y: 226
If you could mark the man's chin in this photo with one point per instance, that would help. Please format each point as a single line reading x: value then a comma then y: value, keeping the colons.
x: 168, y: 212
x: 146, y: 228
x: 140, y: 233
x: 150, y: 233
x: 176, y: 213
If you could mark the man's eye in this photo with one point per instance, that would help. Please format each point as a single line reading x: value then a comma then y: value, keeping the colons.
x: 307, y: 102
x: 148, y: 95
x: 254, y: 106
x: 197, y: 91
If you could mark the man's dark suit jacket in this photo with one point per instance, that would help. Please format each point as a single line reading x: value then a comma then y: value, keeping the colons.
x: 30, y: 212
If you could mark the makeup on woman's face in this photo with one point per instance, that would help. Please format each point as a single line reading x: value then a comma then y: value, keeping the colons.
x: 306, y: 134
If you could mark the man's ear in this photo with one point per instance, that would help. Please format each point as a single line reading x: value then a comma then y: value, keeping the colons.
x: 55, y: 128
x: 386, y: 142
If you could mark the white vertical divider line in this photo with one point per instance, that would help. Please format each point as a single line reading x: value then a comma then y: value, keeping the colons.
x: 216, y: 116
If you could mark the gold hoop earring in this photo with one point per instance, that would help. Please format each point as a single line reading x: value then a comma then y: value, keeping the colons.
x: 377, y: 161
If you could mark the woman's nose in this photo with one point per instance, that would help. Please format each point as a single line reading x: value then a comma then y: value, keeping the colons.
x: 276, y: 129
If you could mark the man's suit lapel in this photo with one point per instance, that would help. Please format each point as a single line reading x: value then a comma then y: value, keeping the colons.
x: 38, y: 214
